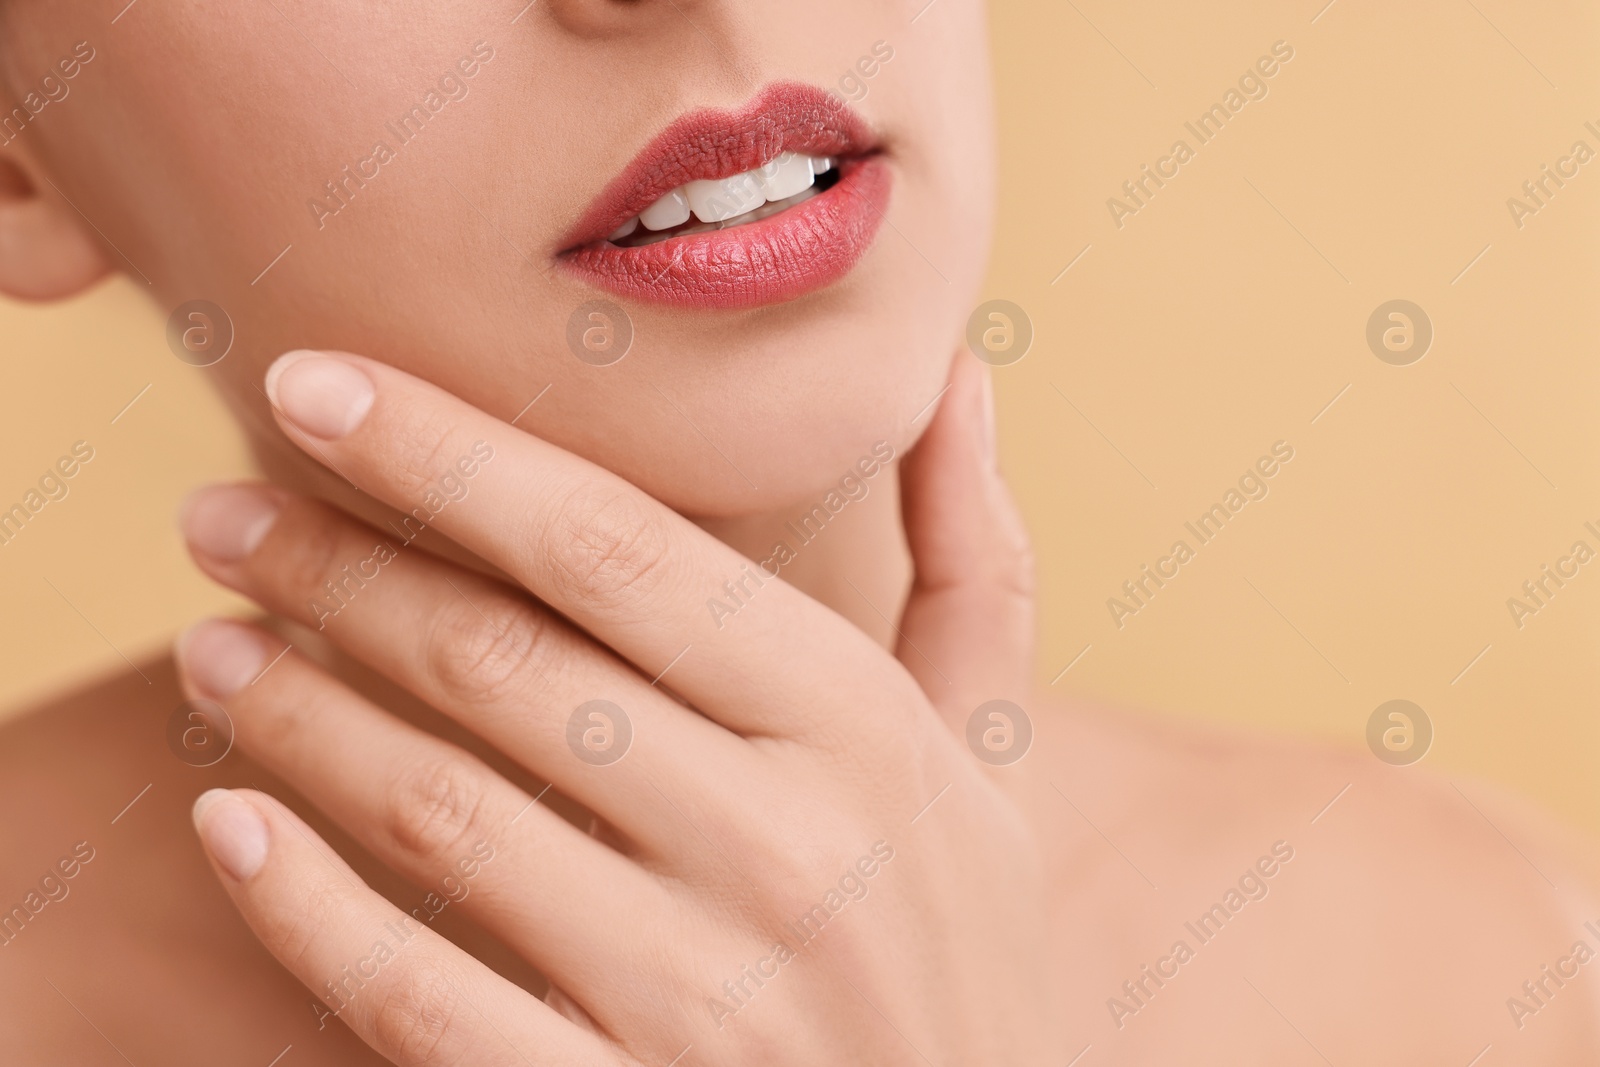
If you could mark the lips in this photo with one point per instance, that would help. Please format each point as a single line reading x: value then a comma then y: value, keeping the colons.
x: 785, y: 250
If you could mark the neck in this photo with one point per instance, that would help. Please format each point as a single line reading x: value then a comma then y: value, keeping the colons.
x: 854, y: 559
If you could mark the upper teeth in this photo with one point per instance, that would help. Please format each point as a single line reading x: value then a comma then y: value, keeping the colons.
x: 728, y: 198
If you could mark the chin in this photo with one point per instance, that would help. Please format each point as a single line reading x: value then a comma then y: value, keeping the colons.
x: 793, y: 431
x: 739, y: 415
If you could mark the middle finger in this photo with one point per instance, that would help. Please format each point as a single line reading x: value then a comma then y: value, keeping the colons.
x: 484, y: 654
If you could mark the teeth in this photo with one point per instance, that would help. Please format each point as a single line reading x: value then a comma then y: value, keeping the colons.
x: 729, y: 198
x: 718, y: 201
x: 787, y: 175
x: 671, y: 210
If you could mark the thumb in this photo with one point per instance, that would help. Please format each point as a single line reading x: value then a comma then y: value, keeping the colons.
x: 967, y: 634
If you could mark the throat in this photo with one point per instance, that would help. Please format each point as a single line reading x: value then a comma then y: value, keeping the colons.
x: 855, y: 562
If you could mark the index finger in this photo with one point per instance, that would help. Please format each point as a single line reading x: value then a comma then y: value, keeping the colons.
x: 625, y: 567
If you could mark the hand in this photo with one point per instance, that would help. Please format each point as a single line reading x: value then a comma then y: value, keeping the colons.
x: 804, y: 865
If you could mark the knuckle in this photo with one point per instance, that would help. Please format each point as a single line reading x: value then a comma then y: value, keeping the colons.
x: 608, y: 548
x: 272, y: 724
x: 811, y: 877
x: 302, y: 564
x: 1015, y: 556
x: 417, y: 1020
x: 1018, y: 576
x: 480, y: 653
x: 430, y: 812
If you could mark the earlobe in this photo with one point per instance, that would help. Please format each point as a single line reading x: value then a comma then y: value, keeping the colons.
x: 47, y: 251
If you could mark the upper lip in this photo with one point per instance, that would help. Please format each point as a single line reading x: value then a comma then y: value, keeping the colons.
x: 712, y: 144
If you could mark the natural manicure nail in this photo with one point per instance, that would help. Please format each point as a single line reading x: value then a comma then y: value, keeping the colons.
x: 323, y: 396
x: 228, y: 522
x: 232, y: 831
x: 220, y: 657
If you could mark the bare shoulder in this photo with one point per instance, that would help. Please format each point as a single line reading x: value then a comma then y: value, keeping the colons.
x: 1259, y: 896
x: 114, y: 935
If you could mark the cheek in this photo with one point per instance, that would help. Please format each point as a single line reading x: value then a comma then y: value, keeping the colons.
x: 711, y: 419
x: 216, y: 143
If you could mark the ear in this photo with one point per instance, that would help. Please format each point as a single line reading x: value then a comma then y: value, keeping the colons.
x: 47, y: 249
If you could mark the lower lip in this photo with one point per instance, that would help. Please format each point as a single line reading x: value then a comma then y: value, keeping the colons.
x: 808, y: 247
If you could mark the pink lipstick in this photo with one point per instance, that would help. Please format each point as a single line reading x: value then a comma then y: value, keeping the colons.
x: 740, y: 208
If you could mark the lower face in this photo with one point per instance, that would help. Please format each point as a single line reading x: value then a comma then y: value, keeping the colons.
x: 787, y: 209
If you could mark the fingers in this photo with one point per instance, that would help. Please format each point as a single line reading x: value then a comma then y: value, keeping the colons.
x: 431, y: 811
x: 627, y: 569
x: 968, y: 627
x: 482, y: 653
x: 405, y: 991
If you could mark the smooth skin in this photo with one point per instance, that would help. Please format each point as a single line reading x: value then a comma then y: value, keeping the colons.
x: 825, y: 750
x: 821, y: 744
x: 1412, y: 908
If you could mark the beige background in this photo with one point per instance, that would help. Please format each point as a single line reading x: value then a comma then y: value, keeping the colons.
x: 1223, y: 317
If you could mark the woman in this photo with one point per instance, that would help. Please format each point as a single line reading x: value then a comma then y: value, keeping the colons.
x: 584, y: 460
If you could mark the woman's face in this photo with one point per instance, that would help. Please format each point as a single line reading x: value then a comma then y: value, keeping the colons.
x: 422, y: 183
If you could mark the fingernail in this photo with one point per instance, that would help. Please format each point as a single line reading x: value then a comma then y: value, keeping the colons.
x: 325, y: 397
x: 227, y: 522
x: 232, y: 831
x: 220, y: 657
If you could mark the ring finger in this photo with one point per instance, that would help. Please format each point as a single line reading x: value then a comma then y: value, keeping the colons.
x: 431, y: 811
